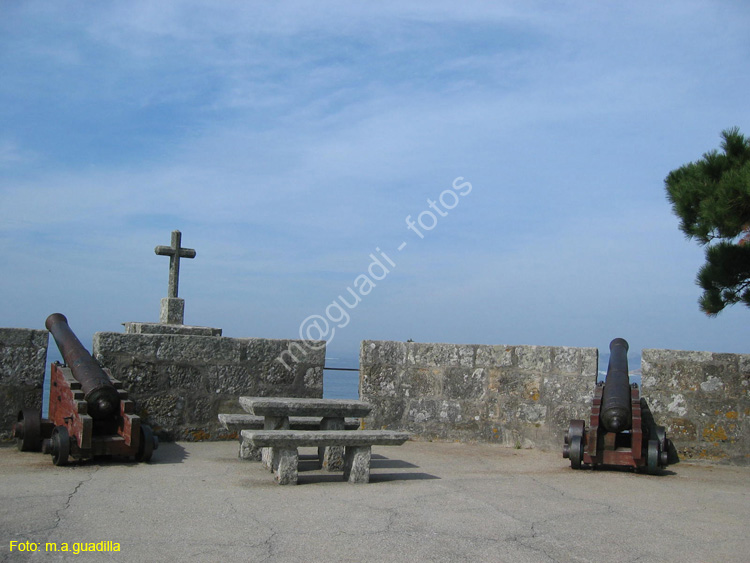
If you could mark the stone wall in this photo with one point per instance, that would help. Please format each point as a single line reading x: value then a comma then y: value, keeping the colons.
x: 23, y: 357
x: 703, y: 399
x: 181, y: 382
x: 522, y: 396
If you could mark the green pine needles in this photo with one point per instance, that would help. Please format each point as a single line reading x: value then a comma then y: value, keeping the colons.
x: 712, y: 199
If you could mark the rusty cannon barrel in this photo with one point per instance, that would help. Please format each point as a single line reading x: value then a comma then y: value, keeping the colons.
x: 616, y: 414
x: 99, y: 392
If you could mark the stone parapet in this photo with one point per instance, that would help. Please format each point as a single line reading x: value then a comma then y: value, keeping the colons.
x: 522, y: 396
x: 703, y: 400
x: 181, y: 382
x: 160, y: 328
x: 23, y: 357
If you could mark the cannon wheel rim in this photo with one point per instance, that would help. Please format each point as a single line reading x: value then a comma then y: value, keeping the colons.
x: 60, y: 445
x: 576, y: 451
x: 146, y: 445
x: 576, y: 428
x: 661, y: 437
x: 652, y: 457
x: 30, y: 426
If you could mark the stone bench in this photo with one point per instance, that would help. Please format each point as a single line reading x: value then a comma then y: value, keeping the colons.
x: 280, y: 449
x: 239, y: 422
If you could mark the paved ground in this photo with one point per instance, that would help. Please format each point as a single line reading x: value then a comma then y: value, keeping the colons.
x: 426, y: 502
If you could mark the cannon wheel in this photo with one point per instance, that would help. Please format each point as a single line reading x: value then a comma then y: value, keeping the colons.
x: 60, y: 445
x: 576, y: 428
x: 653, y: 456
x: 146, y: 445
x: 576, y: 451
x: 28, y: 430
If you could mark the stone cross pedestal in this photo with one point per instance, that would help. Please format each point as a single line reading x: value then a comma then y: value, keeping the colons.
x: 172, y: 307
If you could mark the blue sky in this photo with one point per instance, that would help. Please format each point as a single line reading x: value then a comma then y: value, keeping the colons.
x: 289, y: 140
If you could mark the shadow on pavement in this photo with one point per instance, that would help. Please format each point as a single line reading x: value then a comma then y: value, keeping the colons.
x: 310, y: 471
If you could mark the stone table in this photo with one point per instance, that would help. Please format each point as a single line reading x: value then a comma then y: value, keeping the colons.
x: 277, y: 410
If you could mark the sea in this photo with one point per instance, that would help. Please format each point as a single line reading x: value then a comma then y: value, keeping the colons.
x: 341, y: 384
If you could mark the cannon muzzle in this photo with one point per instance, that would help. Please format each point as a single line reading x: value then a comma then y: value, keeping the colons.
x: 102, y: 397
x: 616, y: 414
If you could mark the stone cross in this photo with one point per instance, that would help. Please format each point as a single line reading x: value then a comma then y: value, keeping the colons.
x: 175, y: 252
x: 172, y: 307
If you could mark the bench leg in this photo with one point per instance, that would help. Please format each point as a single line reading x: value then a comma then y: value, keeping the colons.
x: 331, y: 457
x: 266, y: 458
x: 248, y: 451
x: 272, y: 423
x: 357, y: 464
x: 285, y: 461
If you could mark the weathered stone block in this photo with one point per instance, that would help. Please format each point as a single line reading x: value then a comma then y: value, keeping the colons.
x: 277, y: 376
x: 422, y: 382
x: 687, y: 374
x: 575, y: 390
x: 464, y: 383
x: 146, y: 377
x: 559, y: 415
x: 734, y: 384
x: 381, y: 380
x: 590, y: 363
x: 23, y: 356
x: 231, y: 380
x: 202, y: 407
x: 720, y: 432
x: 110, y: 345
x: 713, y: 386
x: 443, y: 411
x: 511, y: 383
x: 537, y: 359
x: 567, y: 361
x: 312, y: 381
x: 439, y: 355
x: 422, y: 410
x: 702, y: 452
x: 373, y: 352
x: 494, y: 356
x: 532, y: 413
x: 184, y: 375
x: 387, y: 412
x: 23, y: 353
x: 681, y: 430
x: 165, y: 412
x: 180, y: 348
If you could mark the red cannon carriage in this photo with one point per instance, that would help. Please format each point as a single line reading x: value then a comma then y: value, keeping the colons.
x: 622, y: 431
x: 89, y: 413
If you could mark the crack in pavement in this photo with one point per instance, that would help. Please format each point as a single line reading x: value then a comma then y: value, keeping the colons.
x: 59, y: 512
x: 268, y: 544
